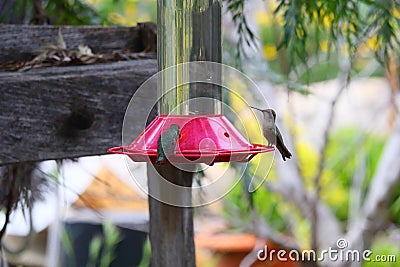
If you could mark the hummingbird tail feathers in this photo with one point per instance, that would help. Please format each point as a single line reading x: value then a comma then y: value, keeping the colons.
x: 283, y: 150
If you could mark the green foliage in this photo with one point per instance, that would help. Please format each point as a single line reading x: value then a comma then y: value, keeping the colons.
x: 347, y: 22
x: 394, y: 210
x: 387, y: 25
x: 15, y: 12
x: 73, y: 12
x: 383, y: 247
x: 146, y: 254
x: 246, y: 35
x: 236, y: 208
x: 346, y: 148
x: 343, y: 159
x: 305, y: 41
x: 240, y: 202
x: 68, y: 247
x: 120, y: 12
x: 297, y: 15
x: 56, y: 12
x: 101, y: 248
x: 94, y: 251
x: 271, y: 207
x: 111, y: 238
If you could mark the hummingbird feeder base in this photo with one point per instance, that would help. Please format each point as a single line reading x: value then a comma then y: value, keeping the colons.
x: 203, y: 139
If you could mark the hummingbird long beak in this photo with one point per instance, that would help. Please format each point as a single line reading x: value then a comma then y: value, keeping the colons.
x: 256, y: 108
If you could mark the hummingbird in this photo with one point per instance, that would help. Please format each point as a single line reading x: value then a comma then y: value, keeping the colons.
x: 272, y: 133
x: 166, y: 144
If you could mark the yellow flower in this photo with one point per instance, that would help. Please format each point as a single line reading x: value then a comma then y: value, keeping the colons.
x: 263, y: 18
x: 131, y: 10
x: 396, y: 13
x: 270, y: 51
x: 324, y: 45
x: 372, y: 42
x: 308, y: 159
x: 327, y: 20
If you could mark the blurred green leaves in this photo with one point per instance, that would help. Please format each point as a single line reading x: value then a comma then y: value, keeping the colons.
x: 384, y: 19
x: 343, y: 26
x: 101, y: 251
x: 246, y: 35
x: 79, y: 12
x: 72, y: 12
x: 385, y: 248
x: 122, y: 12
x: 56, y: 12
x: 111, y: 238
x: 346, y: 149
x: 346, y: 146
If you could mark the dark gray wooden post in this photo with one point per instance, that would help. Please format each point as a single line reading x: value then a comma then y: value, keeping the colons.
x: 171, y: 227
x: 188, y: 30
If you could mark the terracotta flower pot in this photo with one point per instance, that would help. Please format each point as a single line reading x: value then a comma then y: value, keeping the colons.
x: 231, y: 249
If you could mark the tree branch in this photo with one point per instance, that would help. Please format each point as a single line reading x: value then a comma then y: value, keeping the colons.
x: 384, y: 182
x: 291, y: 187
x: 262, y: 230
x: 355, y: 201
x: 344, y: 82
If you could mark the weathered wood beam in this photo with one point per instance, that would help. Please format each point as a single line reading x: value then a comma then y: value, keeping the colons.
x: 21, y: 42
x: 44, y: 112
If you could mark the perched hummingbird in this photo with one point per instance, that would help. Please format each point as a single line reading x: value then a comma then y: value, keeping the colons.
x: 166, y: 144
x: 272, y: 133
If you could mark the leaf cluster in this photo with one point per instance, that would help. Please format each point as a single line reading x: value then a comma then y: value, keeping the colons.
x: 347, y: 24
x: 54, y: 12
x: 386, y: 24
x: 246, y: 35
x: 75, y: 12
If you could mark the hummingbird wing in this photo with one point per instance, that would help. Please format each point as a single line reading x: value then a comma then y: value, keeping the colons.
x: 166, y: 144
x: 270, y: 134
x: 160, y: 152
x: 169, y: 141
x: 281, y: 146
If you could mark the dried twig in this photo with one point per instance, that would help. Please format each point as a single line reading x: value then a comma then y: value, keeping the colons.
x: 59, y: 54
x: 19, y: 186
x: 11, y: 201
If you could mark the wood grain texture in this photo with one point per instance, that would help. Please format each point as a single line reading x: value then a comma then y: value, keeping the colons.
x: 171, y: 227
x: 21, y: 42
x: 65, y: 112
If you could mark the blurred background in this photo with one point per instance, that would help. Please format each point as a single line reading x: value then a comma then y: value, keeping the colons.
x: 329, y: 69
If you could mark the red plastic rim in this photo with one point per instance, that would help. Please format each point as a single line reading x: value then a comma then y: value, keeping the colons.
x: 203, y: 139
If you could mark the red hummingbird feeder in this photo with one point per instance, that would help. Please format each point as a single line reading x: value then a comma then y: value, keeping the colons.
x: 192, y: 35
x: 203, y: 139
